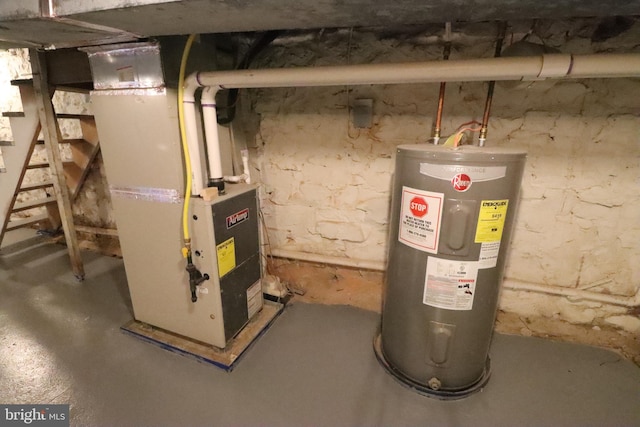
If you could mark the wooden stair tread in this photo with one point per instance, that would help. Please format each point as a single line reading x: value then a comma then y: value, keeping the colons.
x: 36, y: 203
x: 7, y: 143
x: 38, y: 165
x: 36, y: 186
x: 3, y: 170
x: 79, y: 87
x: 74, y: 116
x: 83, y: 152
x: 20, y: 82
x: 71, y: 166
x: 65, y: 141
x: 73, y: 172
x: 59, y: 116
x: 25, y: 222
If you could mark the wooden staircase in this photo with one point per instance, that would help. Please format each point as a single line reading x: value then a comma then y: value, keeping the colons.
x: 49, y: 204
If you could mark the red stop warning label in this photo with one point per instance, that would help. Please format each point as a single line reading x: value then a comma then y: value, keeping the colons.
x: 418, y: 207
x: 420, y: 218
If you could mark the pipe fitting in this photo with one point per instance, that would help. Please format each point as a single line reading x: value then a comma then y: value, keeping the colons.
x: 236, y: 178
x: 555, y: 65
x: 434, y: 384
x: 195, y: 279
x: 218, y: 183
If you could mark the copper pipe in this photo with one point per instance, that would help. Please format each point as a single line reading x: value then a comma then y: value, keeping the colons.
x: 443, y: 85
x: 487, y: 105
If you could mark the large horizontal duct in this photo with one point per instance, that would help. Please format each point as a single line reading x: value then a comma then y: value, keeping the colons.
x: 70, y: 23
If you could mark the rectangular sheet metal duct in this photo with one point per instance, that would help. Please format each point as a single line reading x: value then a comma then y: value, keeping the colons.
x: 65, y: 23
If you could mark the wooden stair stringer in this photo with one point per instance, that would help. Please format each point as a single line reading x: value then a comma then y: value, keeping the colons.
x: 25, y: 130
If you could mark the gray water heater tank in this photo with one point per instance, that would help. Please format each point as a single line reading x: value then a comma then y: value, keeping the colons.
x: 452, y: 214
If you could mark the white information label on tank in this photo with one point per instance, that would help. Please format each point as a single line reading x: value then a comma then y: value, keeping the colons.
x: 450, y: 284
x: 489, y: 254
x: 420, y: 219
x: 254, y: 299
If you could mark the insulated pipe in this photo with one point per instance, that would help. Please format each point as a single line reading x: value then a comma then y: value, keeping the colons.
x: 483, y: 69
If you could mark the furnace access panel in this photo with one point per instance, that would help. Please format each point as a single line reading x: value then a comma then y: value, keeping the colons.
x: 226, y: 248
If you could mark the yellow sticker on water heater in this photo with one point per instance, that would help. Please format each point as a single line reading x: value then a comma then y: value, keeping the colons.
x: 226, y: 256
x: 491, y: 220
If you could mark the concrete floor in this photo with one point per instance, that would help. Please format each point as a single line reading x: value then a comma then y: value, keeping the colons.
x: 60, y: 343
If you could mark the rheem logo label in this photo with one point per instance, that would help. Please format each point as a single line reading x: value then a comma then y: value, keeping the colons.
x: 418, y: 207
x: 461, y: 182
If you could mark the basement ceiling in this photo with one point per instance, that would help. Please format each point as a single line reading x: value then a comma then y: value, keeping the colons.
x: 67, y: 23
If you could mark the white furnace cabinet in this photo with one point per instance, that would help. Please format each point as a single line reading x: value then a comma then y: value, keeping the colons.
x: 142, y: 155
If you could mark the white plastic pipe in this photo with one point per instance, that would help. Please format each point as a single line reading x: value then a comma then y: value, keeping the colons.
x: 483, y: 69
x: 327, y: 259
x: 512, y: 285
x: 209, y: 116
x: 245, y: 165
x: 576, y: 294
x: 191, y: 129
x: 235, y: 178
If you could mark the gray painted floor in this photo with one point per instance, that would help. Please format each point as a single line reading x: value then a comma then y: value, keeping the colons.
x: 60, y: 343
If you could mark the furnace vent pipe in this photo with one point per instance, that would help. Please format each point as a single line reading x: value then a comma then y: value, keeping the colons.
x: 209, y: 116
x: 483, y: 69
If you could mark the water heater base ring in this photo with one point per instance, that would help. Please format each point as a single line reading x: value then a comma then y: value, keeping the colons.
x: 424, y: 389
